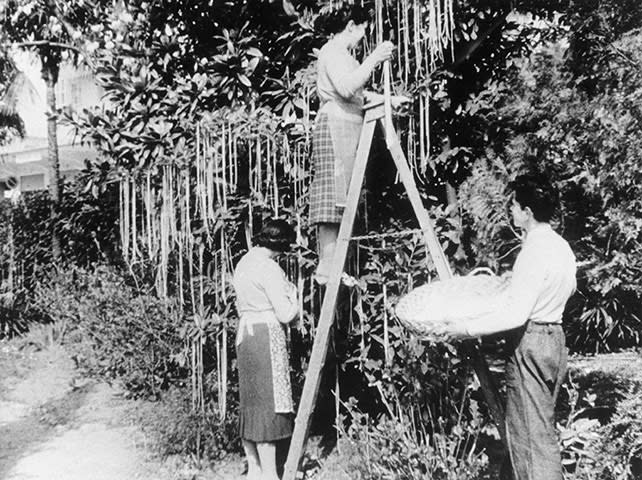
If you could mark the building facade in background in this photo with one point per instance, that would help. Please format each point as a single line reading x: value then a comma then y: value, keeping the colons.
x: 24, y: 162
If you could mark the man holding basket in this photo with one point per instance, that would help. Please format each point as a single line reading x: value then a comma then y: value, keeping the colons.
x: 543, y: 280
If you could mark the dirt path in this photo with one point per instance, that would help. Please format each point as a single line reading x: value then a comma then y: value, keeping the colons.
x: 91, y: 443
x: 57, y: 425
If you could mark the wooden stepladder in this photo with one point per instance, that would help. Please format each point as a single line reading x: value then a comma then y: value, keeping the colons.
x: 375, y: 114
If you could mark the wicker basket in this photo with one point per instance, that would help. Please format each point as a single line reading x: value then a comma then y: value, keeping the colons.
x: 458, y: 298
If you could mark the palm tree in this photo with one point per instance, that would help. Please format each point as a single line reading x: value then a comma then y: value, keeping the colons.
x: 9, y: 118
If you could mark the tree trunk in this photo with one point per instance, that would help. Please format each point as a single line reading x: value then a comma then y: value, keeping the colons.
x: 12, y: 252
x: 55, y: 186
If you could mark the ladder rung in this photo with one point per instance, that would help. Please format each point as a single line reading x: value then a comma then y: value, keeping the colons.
x: 387, y: 234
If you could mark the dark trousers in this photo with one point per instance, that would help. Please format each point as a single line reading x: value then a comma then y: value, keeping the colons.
x: 534, y: 375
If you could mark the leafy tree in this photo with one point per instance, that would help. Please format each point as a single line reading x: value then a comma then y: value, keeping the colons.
x: 596, y: 27
x: 56, y: 32
x: 588, y: 141
x: 9, y: 121
x: 172, y: 64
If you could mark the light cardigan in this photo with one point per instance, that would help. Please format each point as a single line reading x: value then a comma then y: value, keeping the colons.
x: 543, y: 280
x: 340, y: 78
x: 263, y: 293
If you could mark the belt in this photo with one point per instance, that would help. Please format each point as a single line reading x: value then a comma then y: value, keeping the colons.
x: 534, y: 326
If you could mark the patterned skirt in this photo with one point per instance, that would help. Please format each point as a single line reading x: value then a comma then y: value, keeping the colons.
x: 266, y: 410
x: 334, y: 148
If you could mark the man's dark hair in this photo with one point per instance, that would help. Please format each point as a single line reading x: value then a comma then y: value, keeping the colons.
x: 535, y: 191
x: 276, y: 235
x: 336, y: 20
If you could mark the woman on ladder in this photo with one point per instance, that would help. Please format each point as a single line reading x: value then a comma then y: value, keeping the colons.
x: 340, y: 82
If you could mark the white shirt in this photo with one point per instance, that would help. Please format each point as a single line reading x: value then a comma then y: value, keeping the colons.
x: 542, y: 282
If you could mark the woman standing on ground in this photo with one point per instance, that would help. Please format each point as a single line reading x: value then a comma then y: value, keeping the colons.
x: 266, y: 303
x: 340, y: 82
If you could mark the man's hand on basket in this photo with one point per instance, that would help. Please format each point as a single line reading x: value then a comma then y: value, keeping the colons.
x: 450, y: 330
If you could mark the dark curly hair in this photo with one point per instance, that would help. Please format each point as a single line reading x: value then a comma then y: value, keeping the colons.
x: 337, y: 19
x: 276, y: 235
x: 535, y: 191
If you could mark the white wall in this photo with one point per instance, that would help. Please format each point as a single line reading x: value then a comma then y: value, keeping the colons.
x: 76, y: 89
x: 29, y: 183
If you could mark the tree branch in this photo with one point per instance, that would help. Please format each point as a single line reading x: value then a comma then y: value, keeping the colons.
x: 47, y: 43
x: 624, y: 56
x: 471, y: 47
x: 62, y: 46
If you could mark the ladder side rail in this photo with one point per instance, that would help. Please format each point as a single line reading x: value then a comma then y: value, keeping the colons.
x: 326, y: 320
x: 470, y: 350
x: 407, y: 178
x: 488, y: 386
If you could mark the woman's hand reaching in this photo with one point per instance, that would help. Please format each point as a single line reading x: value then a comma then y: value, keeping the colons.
x: 382, y: 53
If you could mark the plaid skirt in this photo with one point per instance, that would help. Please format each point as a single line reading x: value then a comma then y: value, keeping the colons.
x: 334, y: 144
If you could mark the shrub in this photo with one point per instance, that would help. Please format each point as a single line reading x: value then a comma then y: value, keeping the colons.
x: 114, y: 330
x: 176, y: 429
x: 11, y: 321
x: 602, y: 436
x: 614, y: 451
x: 590, y: 147
x: 388, y: 448
x: 88, y: 227
x: 119, y: 332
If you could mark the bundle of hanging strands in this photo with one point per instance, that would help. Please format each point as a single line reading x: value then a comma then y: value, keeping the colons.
x: 165, y: 209
x: 458, y: 299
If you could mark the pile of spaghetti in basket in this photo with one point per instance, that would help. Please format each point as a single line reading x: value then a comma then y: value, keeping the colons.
x: 455, y: 299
